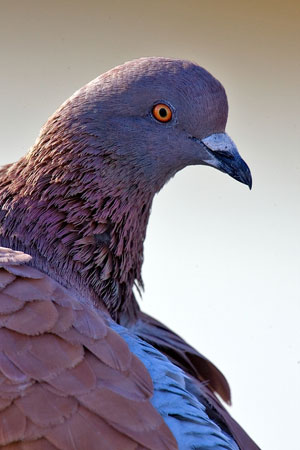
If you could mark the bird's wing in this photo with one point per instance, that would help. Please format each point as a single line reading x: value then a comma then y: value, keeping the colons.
x: 216, y: 411
x: 67, y: 380
x: 205, y: 380
x: 182, y: 354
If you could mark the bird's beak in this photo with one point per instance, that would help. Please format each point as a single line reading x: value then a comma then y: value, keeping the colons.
x: 223, y: 155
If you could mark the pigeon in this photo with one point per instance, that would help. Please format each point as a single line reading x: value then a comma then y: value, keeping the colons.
x: 81, y: 366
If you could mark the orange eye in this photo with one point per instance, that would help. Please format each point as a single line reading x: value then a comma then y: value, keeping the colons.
x: 162, y: 112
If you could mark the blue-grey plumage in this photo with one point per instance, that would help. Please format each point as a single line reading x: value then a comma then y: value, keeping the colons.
x: 182, y: 411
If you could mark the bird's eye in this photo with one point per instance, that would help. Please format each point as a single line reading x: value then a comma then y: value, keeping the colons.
x: 162, y: 112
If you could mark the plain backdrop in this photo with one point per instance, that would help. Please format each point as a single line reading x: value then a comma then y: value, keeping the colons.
x: 221, y: 262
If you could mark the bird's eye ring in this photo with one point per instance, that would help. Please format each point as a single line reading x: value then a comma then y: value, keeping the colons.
x: 162, y: 112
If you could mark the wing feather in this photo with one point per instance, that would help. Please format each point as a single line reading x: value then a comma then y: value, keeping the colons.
x: 39, y: 444
x: 34, y: 318
x: 205, y: 378
x: 67, y: 380
x: 9, y: 304
x: 182, y: 354
x: 12, y: 425
x: 5, y: 278
x: 85, y: 427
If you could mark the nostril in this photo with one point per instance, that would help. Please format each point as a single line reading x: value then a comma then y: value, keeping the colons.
x: 223, y: 154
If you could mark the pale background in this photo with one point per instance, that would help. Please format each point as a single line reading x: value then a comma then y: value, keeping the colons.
x: 221, y: 262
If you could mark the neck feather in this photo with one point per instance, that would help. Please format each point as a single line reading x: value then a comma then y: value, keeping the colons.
x: 87, y: 235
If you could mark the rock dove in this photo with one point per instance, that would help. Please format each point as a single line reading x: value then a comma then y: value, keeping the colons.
x: 81, y: 367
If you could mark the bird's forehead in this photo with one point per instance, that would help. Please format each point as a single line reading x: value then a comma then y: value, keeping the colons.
x: 168, y: 76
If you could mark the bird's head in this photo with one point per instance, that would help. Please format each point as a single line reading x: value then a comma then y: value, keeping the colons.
x: 150, y: 118
x: 82, y: 196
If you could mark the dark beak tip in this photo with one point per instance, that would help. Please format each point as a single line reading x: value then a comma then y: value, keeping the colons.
x: 240, y: 172
x: 244, y: 174
x: 249, y: 181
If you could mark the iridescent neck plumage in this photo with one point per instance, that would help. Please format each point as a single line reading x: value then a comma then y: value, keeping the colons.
x: 85, y: 231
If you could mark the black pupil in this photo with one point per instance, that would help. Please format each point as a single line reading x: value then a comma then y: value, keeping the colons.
x: 163, y: 112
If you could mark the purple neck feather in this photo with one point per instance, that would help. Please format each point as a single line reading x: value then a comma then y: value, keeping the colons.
x: 66, y: 205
